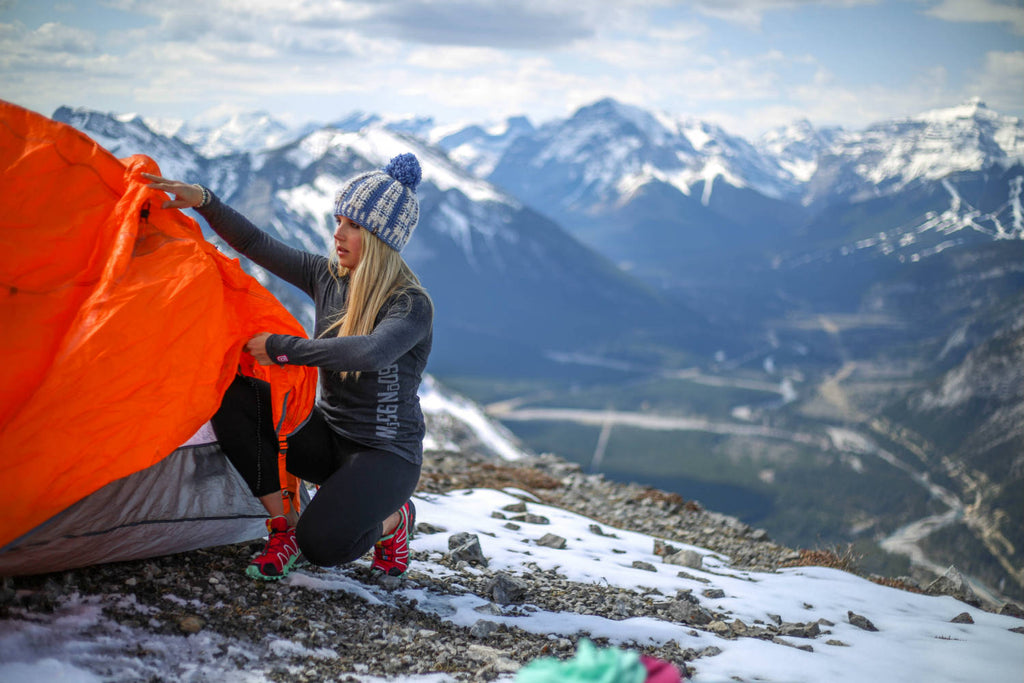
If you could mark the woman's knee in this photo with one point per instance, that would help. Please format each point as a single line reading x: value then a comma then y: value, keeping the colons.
x: 328, y: 545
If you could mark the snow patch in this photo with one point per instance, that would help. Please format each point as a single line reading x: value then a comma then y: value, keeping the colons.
x: 697, y: 136
x: 288, y: 648
x: 850, y: 441
x: 915, y: 641
x: 489, y: 432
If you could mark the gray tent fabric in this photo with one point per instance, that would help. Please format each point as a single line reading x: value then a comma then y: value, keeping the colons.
x: 191, y: 499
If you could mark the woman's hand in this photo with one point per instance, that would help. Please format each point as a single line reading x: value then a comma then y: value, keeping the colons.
x: 185, y: 196
x: 257, y: 346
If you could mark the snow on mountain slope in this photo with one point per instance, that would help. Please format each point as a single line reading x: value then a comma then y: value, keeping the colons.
x: 447, y: 412
x: 938, y: 231
x: 239, y: 132
x: 890, y: 155
x: 606, y: 151
x: 378, y: 144
x: 492, y: 265
x: 128, y: 134
x: 478, y: 148
x: 797, y: 147
x: 468, y: 208
x: 422, y: 127
x: 495, y: 268
x: 934, y: 145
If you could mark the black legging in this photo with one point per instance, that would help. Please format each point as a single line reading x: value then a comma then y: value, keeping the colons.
x: 359, y: 486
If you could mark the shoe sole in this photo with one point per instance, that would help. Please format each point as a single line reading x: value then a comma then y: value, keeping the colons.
x: 253, y: 571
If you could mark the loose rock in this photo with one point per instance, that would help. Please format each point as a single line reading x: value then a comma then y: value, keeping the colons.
x: 1011, y: 609
x: 552, y: 541
x: 861, y: 622
x: 506, y: 589
x: 465, y: 547
x: 953, y: 583
x: 483, y: 629
x: 191, y: 624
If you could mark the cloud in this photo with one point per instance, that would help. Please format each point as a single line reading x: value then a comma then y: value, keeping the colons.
x: 316, y: 44
x: 53, y: 37
x: 456, y: 58
x: 33, y: 58
x: 981, y: 11
x: 463, y: 60
x: 519, y: 25
x: 999, y: 82
x: 825, y: 100
x: 516, y: 88
x: 263, y: 31
x: 750, y: 12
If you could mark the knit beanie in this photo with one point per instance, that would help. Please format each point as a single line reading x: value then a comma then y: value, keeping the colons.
x: 384, y: 202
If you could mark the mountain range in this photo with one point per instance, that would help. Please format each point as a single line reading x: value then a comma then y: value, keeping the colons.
x: 500, y: 272
x: 868, y: 269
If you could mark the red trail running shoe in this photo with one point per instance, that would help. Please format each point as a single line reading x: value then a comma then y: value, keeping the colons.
x: 280, y: 554
x: 391, y: 553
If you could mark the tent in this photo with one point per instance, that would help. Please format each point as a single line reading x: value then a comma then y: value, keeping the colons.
x: 121, y: 329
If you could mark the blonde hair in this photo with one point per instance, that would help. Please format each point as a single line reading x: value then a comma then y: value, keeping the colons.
x: 381, y: 274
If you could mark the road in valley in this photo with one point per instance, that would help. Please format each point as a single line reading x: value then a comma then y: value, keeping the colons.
x: 904, y: 541
x: 644, y: 420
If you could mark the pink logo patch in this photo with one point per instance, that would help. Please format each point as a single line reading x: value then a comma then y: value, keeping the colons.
x: 282, y: 358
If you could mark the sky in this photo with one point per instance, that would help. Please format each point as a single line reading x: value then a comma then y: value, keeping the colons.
x: 747, y: 65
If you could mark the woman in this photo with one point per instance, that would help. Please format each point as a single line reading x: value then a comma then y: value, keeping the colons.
x: 363, y: 444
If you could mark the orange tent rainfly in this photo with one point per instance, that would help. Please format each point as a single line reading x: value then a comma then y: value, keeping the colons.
x: 122, y: 327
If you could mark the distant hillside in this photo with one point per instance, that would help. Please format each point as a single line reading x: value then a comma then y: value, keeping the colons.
x: 968, y: 427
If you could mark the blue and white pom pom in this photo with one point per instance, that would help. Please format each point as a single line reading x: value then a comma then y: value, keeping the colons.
x: 405, y: 169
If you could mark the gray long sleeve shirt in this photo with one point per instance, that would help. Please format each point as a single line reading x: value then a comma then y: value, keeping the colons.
x: 379, y: 410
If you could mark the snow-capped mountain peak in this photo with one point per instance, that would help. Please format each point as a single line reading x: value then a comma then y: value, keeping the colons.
x: 418, y: 126
x: 130, y: 134
x: 377, y: 143
x: 969, y: 109
x: 477, y: 148
x: 797, y: 147
x: 890, y: 155
x: 607, y: 151
x: 239, y: 132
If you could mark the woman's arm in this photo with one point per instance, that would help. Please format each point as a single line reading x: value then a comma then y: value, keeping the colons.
x: 390, y: 339
x: 298, y: 267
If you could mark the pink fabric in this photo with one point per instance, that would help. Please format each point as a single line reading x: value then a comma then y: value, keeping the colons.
x: 659, y: 671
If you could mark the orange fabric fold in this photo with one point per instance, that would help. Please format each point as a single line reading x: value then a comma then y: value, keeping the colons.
x: 121, y: 325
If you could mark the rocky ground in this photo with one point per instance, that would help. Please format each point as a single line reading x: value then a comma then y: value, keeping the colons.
x: 392, y: 636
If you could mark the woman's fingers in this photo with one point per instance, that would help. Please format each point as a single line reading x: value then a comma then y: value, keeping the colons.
x: 176, y: 204
x: 159, y: 182
x: 257, y: 346
x: 186, y: 196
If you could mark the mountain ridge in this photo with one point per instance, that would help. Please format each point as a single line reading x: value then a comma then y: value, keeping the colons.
x: 506, y: 268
